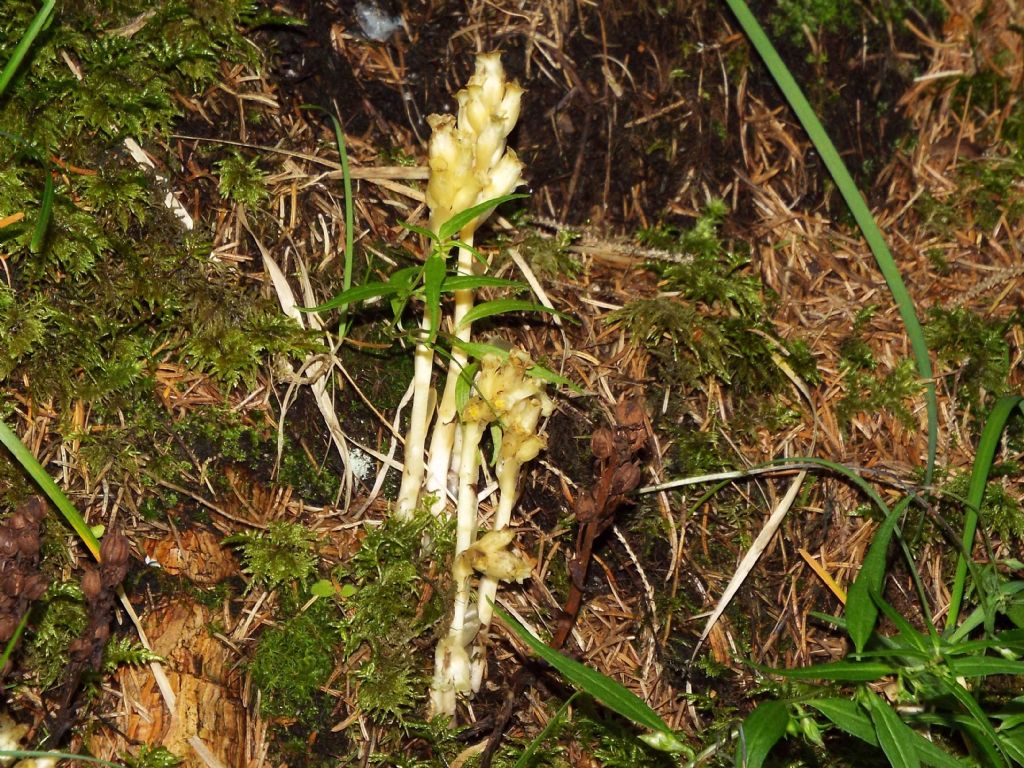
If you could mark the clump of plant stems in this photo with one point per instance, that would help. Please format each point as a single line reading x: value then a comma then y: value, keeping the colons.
x: 470, y: 168
x: 469, y: 164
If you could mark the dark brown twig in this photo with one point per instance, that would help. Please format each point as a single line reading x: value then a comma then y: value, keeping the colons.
x: 617, y: 450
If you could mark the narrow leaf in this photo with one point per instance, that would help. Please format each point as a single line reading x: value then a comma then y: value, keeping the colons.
x: 464, y: 386
x: 616, y: 697
x: 433, y: 276
x: 848, y: 716
x: 1012, y: 742
x: 906, y: 634
x: 354, y: 295
x: 981, y: 666
x: 405, y: 277
x: 478, y: 349
x: 894, y: 736
x: 984, y: 734
x: 472, y: 282
x: 475, y: 253
x: 24, y: 456
x: 841, y: 671
x: 546, y: 374
x: 861, y: 610
x: 455, y: 224
x: 761, y: 730
x: 419, y: 230
x: 504, y: 306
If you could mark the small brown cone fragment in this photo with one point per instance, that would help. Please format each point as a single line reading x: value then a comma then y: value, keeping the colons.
x: 91, y: 584
x: 114, y: 553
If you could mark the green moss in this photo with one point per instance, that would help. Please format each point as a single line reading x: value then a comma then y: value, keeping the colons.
x: 293, y: 660
x: 1001, y: 512
x: 117, y: 287
x: 789, y: 18
x: 122, y: 651
x: 867, y: 392
x: 241, y: 180
x: 550, y: 257
x: 385, y: 615
x: 151, y: 757
x: 58, y: 619
x: 283, y: 554
x: 310, y: 482
x: 974, y: 352
x: 711, y: 326
x: 867, y: 389
x: 389, y: 687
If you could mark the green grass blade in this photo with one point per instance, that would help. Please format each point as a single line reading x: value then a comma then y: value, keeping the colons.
x: 13, y: 641
x: 841, y: 469
x: 346, y: 184
x: 45, y: 212
x: 990, y: 434
x: 616, y: 697
x: 346, y: 181
x: 24, y: 456
x: 861, y: 213
x: 760, y: 731
x: 531, y: 749
x: 38, y: 23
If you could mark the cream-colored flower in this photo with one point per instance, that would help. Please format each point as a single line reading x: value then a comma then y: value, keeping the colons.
x: 469, y: 162
x: 492, y: 556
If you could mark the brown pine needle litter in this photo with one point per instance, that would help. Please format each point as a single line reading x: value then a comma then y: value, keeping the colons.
x: 632, y: 125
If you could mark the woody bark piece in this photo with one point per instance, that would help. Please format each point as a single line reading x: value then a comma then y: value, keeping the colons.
x: 203, y: 670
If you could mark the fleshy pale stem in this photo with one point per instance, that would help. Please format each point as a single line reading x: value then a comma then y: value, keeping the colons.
x: 416, y: 437
x: 505, y: 393
x: 442, y: 438
x: 452, y: 669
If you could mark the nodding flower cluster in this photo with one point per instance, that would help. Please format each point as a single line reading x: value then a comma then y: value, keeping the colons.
x: 469, y: 163
x: 506, y: 395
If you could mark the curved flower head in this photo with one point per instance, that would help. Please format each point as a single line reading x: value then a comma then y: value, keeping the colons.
x: 469, y: 162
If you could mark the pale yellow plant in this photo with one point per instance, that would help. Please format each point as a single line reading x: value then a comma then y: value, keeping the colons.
x: 505, y: 394
x: 469, y: 165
